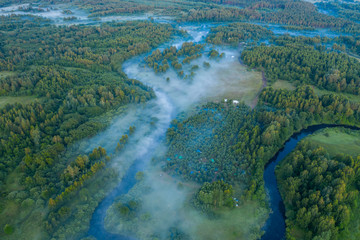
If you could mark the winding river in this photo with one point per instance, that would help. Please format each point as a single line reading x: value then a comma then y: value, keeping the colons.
x: 153, y: 119
x: 275, y: 225
x: 173, y: 98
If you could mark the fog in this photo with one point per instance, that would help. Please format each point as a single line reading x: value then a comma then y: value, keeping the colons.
x: 151, y: 121
x: 161, y: 199
x: 165, y: 201
x: 226, y: 78
x: 165, y: 209
x: 53, y: 12
x: 279, y: 29
x: 56, y: 15
x: 168, y: 206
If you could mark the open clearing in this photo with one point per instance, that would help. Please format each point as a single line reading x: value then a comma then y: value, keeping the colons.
x: 351, y: 97
x: 238, y: 83
x: 11, y: 100
x: 338, y: 140
x: 282, y: 84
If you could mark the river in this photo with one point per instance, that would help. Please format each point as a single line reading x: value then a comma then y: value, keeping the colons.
x: 275, y: 225
x: 153, y: 118
x: 173, y: 98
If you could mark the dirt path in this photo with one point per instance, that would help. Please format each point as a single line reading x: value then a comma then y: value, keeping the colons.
x: 264, y: 84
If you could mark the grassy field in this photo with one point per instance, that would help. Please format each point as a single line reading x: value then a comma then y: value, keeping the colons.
x: 6, y: 74
x: 11, y: 100
x: 351, y: 97
x: 281, y: 84
x: 338, y: 140
x: 236, y: 82
x: 244, y: 222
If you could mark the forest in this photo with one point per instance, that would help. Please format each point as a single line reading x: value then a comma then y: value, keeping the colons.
x: 70, y: 82
x: 320, y: 192
x: 303, y: 64
x: 343, y: 9
x: 73, y: 91
x: 75, y: 73
x: 236, y: 33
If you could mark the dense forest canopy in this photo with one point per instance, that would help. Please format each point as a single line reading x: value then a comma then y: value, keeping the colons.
x: 320, y: 191
x: 303, y: 64
x: 236, y: 33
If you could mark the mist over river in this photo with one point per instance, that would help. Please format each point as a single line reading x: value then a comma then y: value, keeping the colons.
x: 175, y: 97
x: 167, y: 119
x: 225, y: 79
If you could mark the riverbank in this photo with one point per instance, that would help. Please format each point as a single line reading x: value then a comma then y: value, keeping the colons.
x: 317, y: 154
x: 275, y: 226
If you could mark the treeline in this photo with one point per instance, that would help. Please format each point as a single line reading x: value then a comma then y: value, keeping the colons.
x: 244, y: 3
x: 235, y: 33
x: 346, y: 44
x: 297, y: 13
x: 320, y: 191
x: 78, y: 172
x: 288, y: 40
x: 12, y: 22
x: 327, y: 108
x: 85, y: 91
x: 86, y: 173
x: 304, y: 64
x: 106, y: 8
x: 213, y: 14
x: 73, y: 178
x: 101, y: 7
